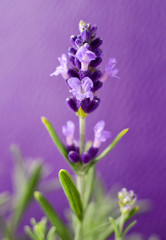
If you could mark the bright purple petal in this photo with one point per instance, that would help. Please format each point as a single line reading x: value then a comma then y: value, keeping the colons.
x: 74, y: 83
x: 68, y: 129
x: 62, y: 69
x: 110, y: 68
x: 81, y: 89
x: 84, y: 55
x: 100, y: 133
x: 87, y: 84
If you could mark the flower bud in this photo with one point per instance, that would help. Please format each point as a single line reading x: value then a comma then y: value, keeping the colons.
x: 93, y: 30
x: 72, y: 103
x: 85, y: 157
x: 85, y: 36
x: 73, y: 73
x: 92, y: 105
x: 96, y: 86
x: 96, y: 62
x: 72, y: 51
x: 96, y: 43
x: 95, y: 75
x: 77, y: 63
x: 73, y: 156
x: 92, y: 152
x: 72, y: 39
x: 71, y: 148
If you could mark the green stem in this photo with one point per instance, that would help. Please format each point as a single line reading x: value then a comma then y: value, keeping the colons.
x: 81, y: 178
x: 82, y: 134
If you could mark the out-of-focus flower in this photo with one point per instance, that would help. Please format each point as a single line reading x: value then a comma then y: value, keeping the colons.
x: 85, y: 56
x: 68, y: 130
x: 81, y: 89
x: 110, y: 70
x: 101, y: 135
x: 62, y: 69
x: 127, y: 200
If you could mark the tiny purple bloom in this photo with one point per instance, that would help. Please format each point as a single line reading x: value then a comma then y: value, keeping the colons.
x: 68, y: 131
x: 62, y: 69
x: 100, y: 134
x: 81, y: 89
x: 85, y: 56
x: 110, y: 70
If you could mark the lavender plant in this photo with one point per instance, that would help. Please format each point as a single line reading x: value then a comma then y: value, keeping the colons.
x: 90, y: 215
x: 93, y: 214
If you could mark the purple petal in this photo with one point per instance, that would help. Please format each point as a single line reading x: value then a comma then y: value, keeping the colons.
x: 99, y: 126
x: 74, y: 83
x: 85, y: 55
x: 100, y: 133
x: 87, y: 84
x: 68, y: 129
x: 110, y: 68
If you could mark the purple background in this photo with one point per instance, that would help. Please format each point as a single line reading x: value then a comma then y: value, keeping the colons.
x: 33, y: 34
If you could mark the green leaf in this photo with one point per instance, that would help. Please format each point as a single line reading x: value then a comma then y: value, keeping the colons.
x: 30, y: 233
x: 132, y: 213
x: 111, y: 146
x: 72, y: 193
x: 22, y: 204
x: 115, y: 227
x: 132, y: 224
x: 55, y: 220
x: 56, y: 139
x: 51, y: 234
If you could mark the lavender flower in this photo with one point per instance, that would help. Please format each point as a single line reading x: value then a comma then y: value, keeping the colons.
x: 127, y: 200
x: 81, y: 89
x: 62, y: 69
x: 100, y: 134
x: 110, y: 70
x: 85, y: 56
x: 68, y: 131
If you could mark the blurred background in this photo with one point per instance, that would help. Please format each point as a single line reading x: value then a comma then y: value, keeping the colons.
x: 33, y: 34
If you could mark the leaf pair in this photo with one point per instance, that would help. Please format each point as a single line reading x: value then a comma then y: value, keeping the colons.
x: 63, y: 150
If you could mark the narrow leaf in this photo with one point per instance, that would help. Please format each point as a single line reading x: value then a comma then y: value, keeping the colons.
x: 31, y: 186
x: 132, y: 224
x: 55, y: 220
x: 56, y: 139
x: 132, y: 213
x: 30, y: 233
x: 72, y: 193
x: 115, y: 226
x: 111, y: 146
x: 51, y: 234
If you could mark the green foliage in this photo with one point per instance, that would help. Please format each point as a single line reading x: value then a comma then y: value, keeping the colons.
x: 111, y: 146
x: 39, y: 230
x: 27, y: 195
x: 72, y: 193
x: 56, y: 139
x: 55, y: 220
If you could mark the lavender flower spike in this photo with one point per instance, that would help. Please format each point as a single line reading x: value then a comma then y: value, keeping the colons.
x: 62, y: 69
x: 81, y: 89
x: 85, y: 56
x: 110, y: 70
x: 100, y: 134
x: 68, y: 131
